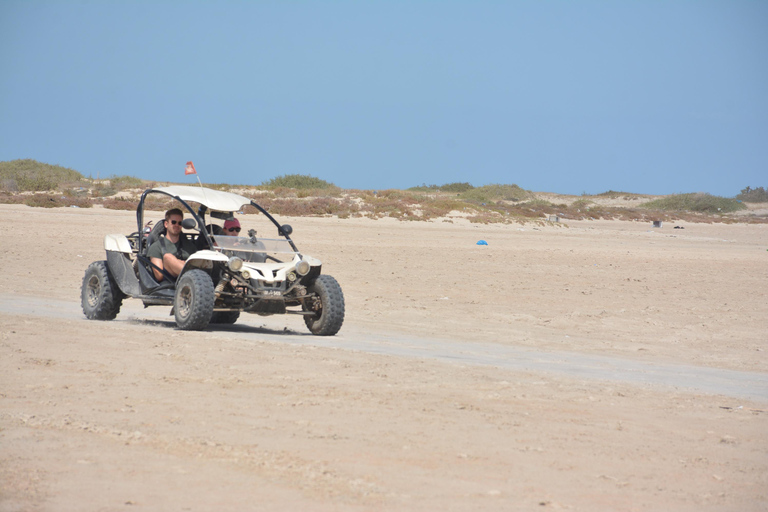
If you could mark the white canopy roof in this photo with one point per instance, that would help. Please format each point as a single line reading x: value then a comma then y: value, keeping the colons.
x: 213, y: 199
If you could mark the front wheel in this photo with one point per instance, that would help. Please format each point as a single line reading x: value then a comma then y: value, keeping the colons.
x: 225, y: 317
x: 193, y: 304
x: 100, y: 296
x: 328, y: 305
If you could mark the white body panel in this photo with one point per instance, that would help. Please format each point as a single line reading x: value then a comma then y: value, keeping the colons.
x: 117, y: 243
x: 204, y: 259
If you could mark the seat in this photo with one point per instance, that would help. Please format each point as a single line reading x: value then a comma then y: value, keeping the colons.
x: 154, y: 235
x: 212, y: 229
x: 146, y: 275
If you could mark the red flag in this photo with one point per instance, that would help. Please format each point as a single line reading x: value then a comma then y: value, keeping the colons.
x: 190, y: 169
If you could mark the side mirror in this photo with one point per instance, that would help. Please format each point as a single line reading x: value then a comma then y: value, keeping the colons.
x: 189, y: 223
x: 286, y: 229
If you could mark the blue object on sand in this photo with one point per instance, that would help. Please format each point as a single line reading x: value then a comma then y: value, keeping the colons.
x: 482, y: 242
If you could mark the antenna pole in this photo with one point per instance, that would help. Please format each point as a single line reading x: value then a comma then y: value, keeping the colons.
x: 190, y: 169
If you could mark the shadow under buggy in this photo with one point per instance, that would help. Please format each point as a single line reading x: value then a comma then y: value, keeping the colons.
x: 226, y: 276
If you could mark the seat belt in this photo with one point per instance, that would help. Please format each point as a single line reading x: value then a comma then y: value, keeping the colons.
x: 165, y: 273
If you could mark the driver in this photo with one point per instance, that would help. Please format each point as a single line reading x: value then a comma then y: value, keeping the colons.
x: 171, y: 251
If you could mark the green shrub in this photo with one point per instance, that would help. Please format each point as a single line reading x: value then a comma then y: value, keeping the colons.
x: 9, y: 185
x: 424, y: 188
x: 496, y: 192
x: 297, y: 181
x: 125, y: 182
x: 753, y: 195
x: 581, y: 203
x: 456, y: 187
x: 104, y: 190
x: 448, y: 187
x: 539, y: 203
x: 696, y: 202
x: 75, y: 192
x: 612, y: 194
x: 319, y: 192
x: 32, y: 176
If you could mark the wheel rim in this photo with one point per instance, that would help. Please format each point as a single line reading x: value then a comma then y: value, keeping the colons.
x: 316, y: 307
x: 92, y: 291
x: 184, y: 302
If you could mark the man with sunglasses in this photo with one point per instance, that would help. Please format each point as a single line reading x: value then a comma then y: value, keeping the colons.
x: 171, y: 251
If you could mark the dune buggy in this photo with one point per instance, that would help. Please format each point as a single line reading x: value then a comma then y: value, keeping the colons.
x: 226, y: 276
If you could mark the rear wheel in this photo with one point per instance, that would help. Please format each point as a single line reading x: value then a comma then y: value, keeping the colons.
x: 100, y: 296
x: 328, y: 306
x: 193, y: 304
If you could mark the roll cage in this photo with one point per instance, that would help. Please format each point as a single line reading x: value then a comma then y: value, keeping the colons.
x: 193, y: 195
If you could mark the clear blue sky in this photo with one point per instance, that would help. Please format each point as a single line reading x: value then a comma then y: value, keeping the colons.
x: 562, y: 96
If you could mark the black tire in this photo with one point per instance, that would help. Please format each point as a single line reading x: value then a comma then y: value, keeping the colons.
x: 100, y: 296
x: 193, y: 303
x: 330, y: 314
x: 225, y: 317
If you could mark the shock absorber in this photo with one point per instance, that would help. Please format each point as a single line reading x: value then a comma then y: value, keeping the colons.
x: 220, y: 287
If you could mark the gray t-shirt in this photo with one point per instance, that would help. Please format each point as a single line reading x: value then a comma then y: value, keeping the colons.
x: 181, y: 249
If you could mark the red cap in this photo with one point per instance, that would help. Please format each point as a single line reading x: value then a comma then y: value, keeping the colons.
x: 231, y: 223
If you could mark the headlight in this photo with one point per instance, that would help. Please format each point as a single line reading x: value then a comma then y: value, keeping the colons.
x: 291, y: 276
x: 302, y: 268
x: 235, y: 263
x: 246, y: 274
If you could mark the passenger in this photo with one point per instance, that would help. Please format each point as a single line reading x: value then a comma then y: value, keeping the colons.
x: 232, y: 227
x: 171, y: 251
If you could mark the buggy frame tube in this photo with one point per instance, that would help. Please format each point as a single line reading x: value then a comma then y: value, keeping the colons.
x: 279, y: 227
x: 140, y: 218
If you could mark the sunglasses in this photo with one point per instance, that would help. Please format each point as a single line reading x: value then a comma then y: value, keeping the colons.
x: 174, y: 222
x: 236, y: 230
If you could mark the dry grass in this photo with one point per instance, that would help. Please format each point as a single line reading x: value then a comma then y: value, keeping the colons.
x: 306, y: 207
x: 56, y: 201
x: 400, y: 205
x: 313, y: 197
x: 699, y: 202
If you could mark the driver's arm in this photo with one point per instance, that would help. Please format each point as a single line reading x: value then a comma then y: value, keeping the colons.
x: 172, y: 264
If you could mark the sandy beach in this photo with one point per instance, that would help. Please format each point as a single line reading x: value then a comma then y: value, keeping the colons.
x: 581, y: 365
